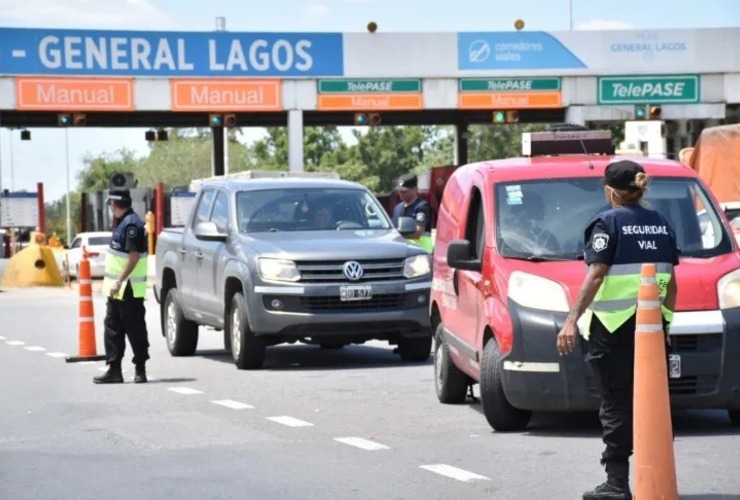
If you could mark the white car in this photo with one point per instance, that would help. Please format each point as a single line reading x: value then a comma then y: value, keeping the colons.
x: 96, y: 244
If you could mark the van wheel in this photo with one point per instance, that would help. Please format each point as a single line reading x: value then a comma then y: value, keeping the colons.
x: 734, y: 416
x: 415, y: 348
x: 247, y: 350
x: 181, y: 333
x: 500, y: 414
x: 450, y: 383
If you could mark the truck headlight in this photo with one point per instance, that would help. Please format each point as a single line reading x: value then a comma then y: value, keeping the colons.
x: 278, y: 270
x: 537, y: 292
x: 728, y: 290
x: 416, y: 266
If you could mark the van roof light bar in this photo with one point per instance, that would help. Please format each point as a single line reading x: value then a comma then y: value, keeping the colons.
x: 555, y: 143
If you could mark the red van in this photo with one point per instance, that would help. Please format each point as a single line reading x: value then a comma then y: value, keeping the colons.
x: 508, y: 265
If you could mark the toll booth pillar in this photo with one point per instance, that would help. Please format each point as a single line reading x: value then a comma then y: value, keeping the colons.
x: 218, y: 150
x: 295, y: 140
x: 461, y: 143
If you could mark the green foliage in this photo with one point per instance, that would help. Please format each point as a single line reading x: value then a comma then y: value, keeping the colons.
x: 375, y: 157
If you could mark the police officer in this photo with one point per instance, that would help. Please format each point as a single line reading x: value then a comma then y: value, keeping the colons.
x: 417, y: 208
x: 124, y: 284
x: 617, y: 242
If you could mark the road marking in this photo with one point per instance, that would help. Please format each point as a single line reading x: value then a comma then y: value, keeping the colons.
x: 3, y: 338
x: 87, y: 362
x: 35, y: 348
x: 289, y: 421
x: 184, y: 390
x: 454, y: 472
x: 15, y: 342
x: 57, y: 354
x: 361, y: 443
x: 230, y: 403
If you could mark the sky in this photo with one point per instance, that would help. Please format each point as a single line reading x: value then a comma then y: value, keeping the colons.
x: 43, y: 158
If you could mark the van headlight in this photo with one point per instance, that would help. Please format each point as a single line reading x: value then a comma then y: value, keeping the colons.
x: 728, y: 290
x: 278, y: 270
x: 537, y: 292
x: 416, y: 266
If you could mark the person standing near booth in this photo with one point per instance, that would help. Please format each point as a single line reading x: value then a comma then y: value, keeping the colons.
x: 617, y: 242
x: 124, y: 284
x: 417, y: 208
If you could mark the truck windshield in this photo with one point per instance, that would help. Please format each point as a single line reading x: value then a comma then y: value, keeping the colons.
x: 309, y: 209
x: 547, y: 218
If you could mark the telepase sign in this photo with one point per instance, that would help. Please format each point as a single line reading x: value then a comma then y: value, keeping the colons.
x: 680, y: 89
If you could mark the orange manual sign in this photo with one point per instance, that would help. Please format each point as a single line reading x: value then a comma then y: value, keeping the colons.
x: 226, y: 95
x: 74, y: 94
x: 510, y: 100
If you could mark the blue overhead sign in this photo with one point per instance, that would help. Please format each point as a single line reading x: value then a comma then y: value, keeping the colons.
x: 514, y: 51
x: 169, y: 54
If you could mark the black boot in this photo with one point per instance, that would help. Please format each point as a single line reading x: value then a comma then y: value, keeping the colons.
x: 616, y: 487
x: 112, y: 376
x: 140, y: 376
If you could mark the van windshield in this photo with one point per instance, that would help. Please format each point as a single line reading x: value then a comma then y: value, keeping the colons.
x: 309, y: 209
x: 547, y: 218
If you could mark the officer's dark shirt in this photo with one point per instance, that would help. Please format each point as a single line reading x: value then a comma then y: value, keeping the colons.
x: 601, y: 245
x: 131, y: 230
x: 419, y: 210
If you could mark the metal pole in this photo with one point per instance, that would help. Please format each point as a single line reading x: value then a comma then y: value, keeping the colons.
x: 1, y: 160
x: 570, y: 8
x: 69, y: 204
x: 12, y: 168
x: 226, y: 150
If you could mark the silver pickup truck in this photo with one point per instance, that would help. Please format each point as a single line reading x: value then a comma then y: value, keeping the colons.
x: 276, y: 260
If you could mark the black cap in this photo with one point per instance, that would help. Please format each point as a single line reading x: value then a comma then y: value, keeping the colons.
x: 119, y: 194
x: 621, y: 175
x: 407, y: 181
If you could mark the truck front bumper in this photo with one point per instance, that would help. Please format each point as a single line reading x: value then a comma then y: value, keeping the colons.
x: 318, y: 311
x: 536, y: 378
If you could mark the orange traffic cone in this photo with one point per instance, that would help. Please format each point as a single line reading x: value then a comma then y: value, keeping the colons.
x: 87, y: 349
x: 655, y: 465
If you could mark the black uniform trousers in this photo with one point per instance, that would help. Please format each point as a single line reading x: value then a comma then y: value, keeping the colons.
x: 126, y: 318
x: 612, y: 359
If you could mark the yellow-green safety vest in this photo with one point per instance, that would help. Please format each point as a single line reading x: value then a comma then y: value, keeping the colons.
x: 616, y: 300
x: 115, y: 263
x: 425, y: 241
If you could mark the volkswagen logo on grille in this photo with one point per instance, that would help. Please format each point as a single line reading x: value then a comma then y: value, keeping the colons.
x: 353, y: 270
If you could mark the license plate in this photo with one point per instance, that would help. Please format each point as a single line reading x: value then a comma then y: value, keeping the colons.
x: 360, y: 292
x: 674, y: 365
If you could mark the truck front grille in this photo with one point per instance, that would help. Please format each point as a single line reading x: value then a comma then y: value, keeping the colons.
x: 333, y: 271
x: 377, y: 303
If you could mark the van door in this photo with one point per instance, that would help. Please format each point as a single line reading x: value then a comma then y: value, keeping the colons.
x: 469, y: 297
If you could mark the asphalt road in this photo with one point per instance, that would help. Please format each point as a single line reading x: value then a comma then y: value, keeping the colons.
x: 355, y: 423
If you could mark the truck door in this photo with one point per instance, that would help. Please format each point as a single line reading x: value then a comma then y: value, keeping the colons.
x: 210, y: 271
x: 190, y: 255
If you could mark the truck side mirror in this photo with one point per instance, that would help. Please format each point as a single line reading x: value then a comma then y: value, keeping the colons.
x: 208, y: 231
x: 459, y: 257
x: 406, y: 225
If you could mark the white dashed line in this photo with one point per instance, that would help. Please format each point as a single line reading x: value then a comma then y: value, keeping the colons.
x: 15, y: 342
x: 35, y: 348
x: 289, y: 421
x: 2, y: 338
x: 234, y: 405
x: 87, y: 362
x: 454, y: 472
x: 57, y: 354
x: 184, y: 390
x: 363, y: 444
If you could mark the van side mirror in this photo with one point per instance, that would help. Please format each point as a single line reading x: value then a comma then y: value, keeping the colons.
x: 208, y: 231
x: 459, y: 256
x: 406, y: 225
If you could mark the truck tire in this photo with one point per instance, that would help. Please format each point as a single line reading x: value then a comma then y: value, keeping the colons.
x: 450, y: 383
x: 415, y: 348
x: 734, y: 416
x: 247, y: 350
x: 181, y: 334
x: 501, y: 415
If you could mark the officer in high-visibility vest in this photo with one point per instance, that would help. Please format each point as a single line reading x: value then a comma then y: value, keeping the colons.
x: 417, y: 208
x: 617, y: 242
x: 124, y: 284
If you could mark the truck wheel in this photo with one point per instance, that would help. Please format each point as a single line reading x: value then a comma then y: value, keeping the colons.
x: 181, y: 333
x: 227, y: 340
x: 415, y: 348
x: 500, y: 414
x: 247, y: 350
x: 450, y: 383
x: 734, y: 416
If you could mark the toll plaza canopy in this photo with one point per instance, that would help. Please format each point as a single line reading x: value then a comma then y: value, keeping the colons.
x: 146, y: 79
